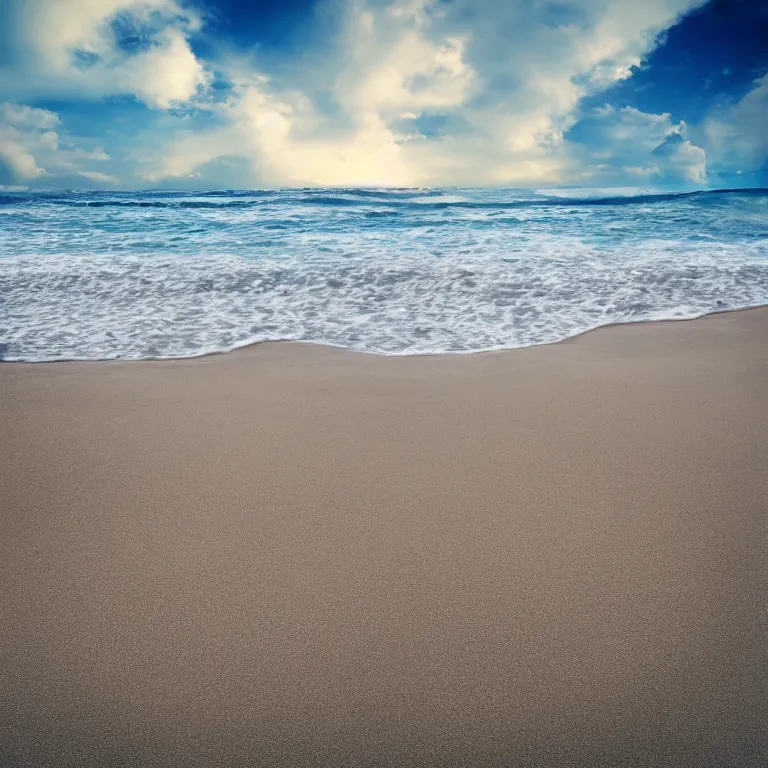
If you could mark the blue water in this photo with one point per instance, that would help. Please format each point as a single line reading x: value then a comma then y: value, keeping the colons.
x: 101, y: 275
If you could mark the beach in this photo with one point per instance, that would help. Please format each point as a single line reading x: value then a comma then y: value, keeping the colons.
x: 294, y: 555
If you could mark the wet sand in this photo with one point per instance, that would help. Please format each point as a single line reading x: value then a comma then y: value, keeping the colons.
x: 298, y: 556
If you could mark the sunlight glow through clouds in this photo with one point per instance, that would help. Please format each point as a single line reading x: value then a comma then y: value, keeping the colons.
x: 504, y: 79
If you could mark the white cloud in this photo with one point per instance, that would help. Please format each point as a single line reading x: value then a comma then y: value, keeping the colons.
x: 737, y: 134
x: 94, y: 154
x: 189, y: 151
x: 16, y: 163
x: 23, y: 117
x: 75, y: 47
x: 30, y: 148
x: 612, y: 144
x: 23, y: 130
x: 167, y: 74
x: 507, y: 76
x: 102, y: 177
x: 511, y: 77
x: 533, y: 70
x: 392, y: 65
x: 260, y: 127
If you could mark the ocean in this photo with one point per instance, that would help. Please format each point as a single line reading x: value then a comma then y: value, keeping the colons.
x: 89, y: 275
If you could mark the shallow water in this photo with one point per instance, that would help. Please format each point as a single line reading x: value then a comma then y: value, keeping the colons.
x: 100, y: 275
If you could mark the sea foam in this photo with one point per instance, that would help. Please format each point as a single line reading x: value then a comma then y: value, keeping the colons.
x: 87, y: 275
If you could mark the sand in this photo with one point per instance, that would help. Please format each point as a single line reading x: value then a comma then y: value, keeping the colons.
x: 292, y: 555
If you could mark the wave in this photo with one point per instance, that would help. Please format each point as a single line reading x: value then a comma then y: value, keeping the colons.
x: 663, y: 197
x: 352, y: 198
x: 164, y: 273
x: 138, y: 307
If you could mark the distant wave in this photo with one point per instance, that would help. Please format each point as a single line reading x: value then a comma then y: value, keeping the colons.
x: 344, y: 198
x: 704, y: 194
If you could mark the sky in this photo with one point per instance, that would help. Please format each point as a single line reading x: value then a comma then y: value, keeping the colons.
x: 201, y: 94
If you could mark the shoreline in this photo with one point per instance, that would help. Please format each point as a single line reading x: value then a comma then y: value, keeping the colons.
x: 295, y: 556
x: 457, y: 353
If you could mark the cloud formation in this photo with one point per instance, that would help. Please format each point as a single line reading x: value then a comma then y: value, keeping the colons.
x: 626, y: 144
x: 508, y: 76
x: 96, y: 48
x: 738, y: 132
x: 32, y: 149
x: 404, y: 92
x: 24, y: 131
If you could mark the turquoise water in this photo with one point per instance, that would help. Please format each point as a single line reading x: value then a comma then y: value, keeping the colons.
x: 99, y: 275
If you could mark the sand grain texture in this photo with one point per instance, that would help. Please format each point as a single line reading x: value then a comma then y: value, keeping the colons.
x: 293, y: 555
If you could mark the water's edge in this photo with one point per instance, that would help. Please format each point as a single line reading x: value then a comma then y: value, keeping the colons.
x: 255, y: 345
x: 119, y: 276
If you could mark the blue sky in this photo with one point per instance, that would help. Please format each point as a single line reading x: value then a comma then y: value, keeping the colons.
x: 520, y: 93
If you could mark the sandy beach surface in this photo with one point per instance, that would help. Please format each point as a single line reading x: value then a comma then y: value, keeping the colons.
x: 298, y: 556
